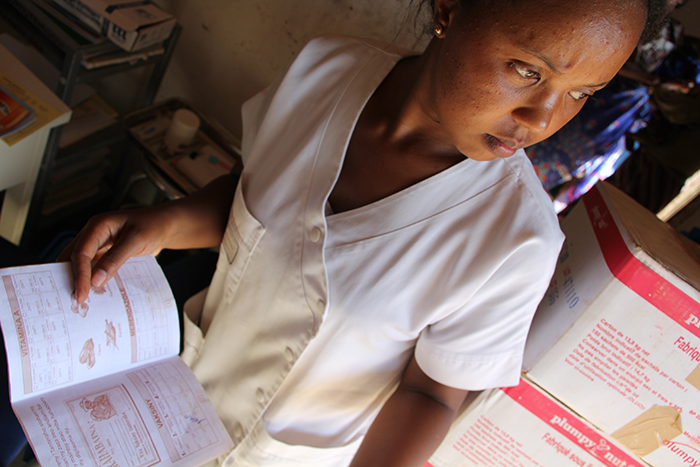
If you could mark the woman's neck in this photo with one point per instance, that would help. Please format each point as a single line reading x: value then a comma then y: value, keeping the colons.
x: 393, y: 145
x: 398, y: 114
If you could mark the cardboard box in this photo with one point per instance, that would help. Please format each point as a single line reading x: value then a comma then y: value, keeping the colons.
x: 523, y: 426
x: 132, y: 25
x: 617, y: 336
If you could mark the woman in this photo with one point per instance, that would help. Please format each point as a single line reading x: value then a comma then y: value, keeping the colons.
x: 388, y: 241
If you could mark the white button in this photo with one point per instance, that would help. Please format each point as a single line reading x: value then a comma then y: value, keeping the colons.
x: 315, y: 234
x: 320, y: 306
x: 238, y: 431
x: 289, y: 354
x: 260, y: 395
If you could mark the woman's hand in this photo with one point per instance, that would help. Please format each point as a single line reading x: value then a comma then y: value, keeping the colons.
x: 108, y: 240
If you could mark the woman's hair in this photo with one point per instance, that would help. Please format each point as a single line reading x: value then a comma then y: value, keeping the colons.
x: 657, y: 14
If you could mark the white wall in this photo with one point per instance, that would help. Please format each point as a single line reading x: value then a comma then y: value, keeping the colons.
x: 231, y: 49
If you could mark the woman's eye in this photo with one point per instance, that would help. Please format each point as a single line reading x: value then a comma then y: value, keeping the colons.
x: 580, y: 96
x: 525, y: 72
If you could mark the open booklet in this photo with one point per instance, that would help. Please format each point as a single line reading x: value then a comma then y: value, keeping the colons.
x: 101, y: 383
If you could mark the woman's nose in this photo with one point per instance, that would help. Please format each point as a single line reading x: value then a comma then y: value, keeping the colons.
x: 536, y: 113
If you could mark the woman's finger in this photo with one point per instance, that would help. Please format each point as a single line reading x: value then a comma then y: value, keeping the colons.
x: 88, y: 246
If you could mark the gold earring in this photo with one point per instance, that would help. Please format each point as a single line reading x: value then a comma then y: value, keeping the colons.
x: 439, y: 30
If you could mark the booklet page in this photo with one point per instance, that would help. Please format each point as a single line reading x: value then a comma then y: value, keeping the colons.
x: 156, y: 414
x: 52, y: 342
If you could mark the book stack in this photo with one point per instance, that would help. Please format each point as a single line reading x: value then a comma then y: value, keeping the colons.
x: 21, y: 112
x: 15, y: 115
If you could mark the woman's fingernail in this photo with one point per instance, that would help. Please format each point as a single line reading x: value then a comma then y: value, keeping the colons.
x: 98, y: 278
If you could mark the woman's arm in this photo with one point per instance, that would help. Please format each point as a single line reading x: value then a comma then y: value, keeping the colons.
x: 412, y: 423
x: 109, y: 239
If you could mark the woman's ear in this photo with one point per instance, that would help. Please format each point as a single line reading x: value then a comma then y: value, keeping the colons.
x: 444, y: 13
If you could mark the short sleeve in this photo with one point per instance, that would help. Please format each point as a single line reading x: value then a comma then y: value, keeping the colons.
x: 481, y: 344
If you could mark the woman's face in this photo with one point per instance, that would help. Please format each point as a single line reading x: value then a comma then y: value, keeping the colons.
x: 510, y: 74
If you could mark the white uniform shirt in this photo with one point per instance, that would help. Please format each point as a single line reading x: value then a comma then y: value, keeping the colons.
x: 323, y: 314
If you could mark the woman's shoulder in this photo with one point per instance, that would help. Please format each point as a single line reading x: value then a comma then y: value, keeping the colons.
x: 338, y: 43
x: 335, y: 54
x: 534, y: 198
x: 326, y: 69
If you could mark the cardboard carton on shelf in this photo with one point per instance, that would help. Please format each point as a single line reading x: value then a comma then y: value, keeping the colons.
x: 130, y: 25
x: 523, y: 426
x: 617, y: 336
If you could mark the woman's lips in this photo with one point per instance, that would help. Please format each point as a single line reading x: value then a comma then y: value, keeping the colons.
x: 499, y: 147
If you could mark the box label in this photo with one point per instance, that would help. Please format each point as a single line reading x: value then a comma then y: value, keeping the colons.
x: 525, y: 427
x: 570, y: 427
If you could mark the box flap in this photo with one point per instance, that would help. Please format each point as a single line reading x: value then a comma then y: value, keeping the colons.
x: 100, y: 6
x: 129, y: 15
x: 131, y: 19
x: 656, y: 238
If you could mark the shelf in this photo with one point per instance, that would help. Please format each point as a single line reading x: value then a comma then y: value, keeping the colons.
x: 112, y: 134
x: 161, y: 167
x: 37, y: 28
x: 83, y: 206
